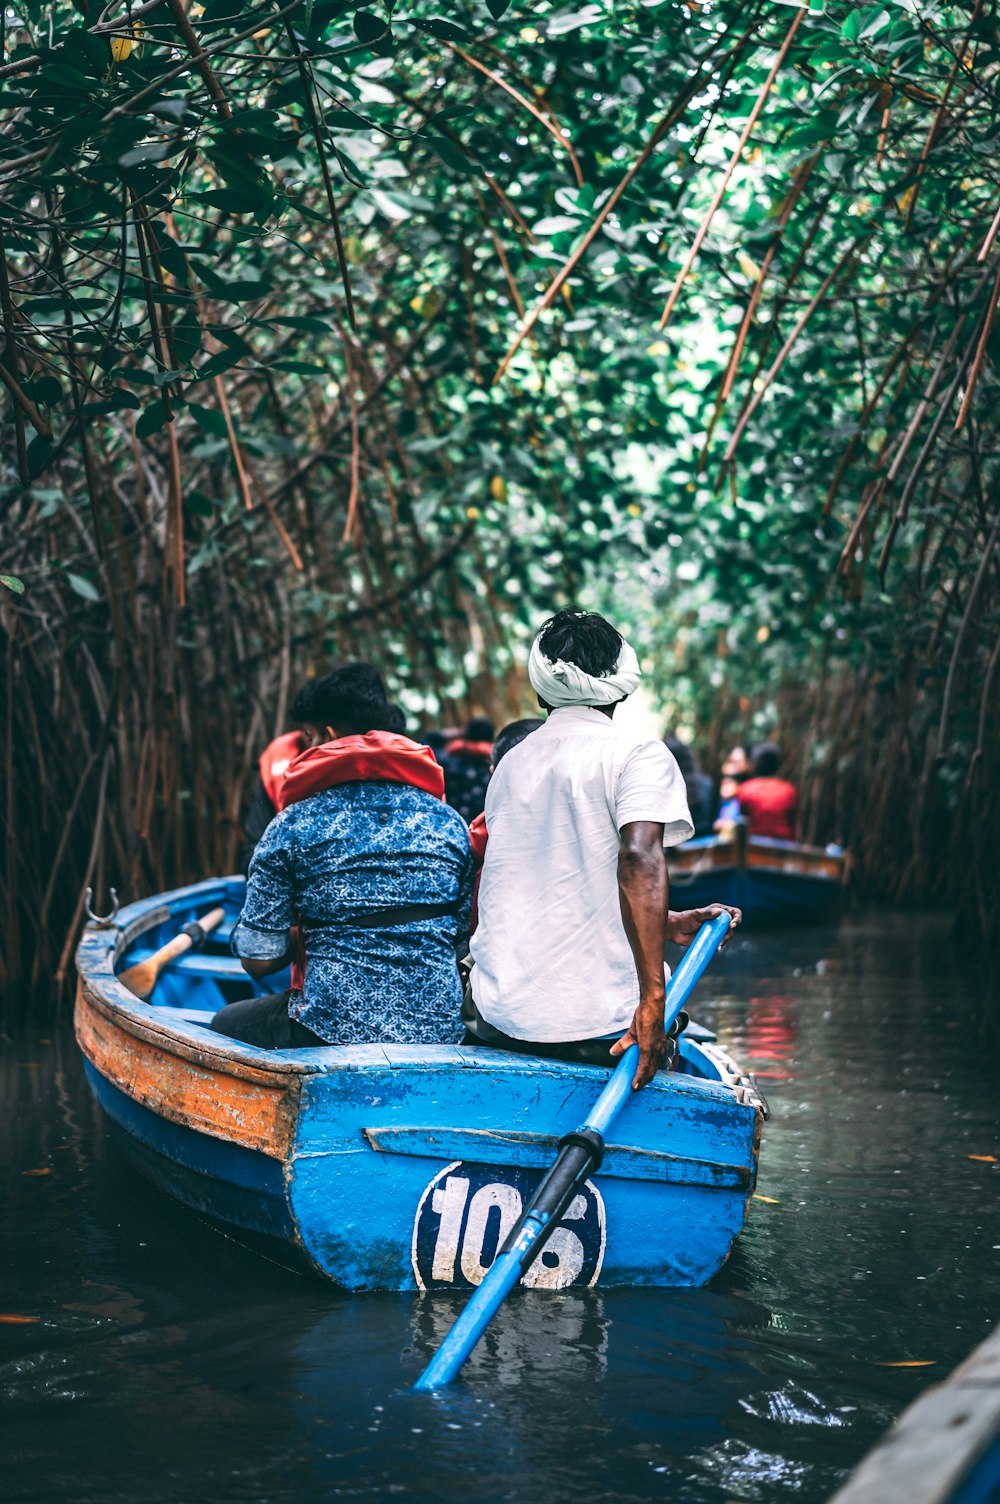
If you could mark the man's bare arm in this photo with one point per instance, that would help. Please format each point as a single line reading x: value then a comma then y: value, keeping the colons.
x: 259, y: 969
x: 643, y: 893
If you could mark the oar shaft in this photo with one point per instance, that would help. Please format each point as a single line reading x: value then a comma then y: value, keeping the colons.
x: 583, y: 1150
x: 141, y: 978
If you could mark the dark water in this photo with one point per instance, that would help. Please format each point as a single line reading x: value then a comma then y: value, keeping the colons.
x: 165, y: 1363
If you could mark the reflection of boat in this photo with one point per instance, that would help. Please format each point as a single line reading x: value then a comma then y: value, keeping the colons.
x: 398, y: 1166
x: 771, y: 881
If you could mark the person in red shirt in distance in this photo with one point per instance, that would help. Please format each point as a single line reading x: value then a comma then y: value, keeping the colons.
x: 767, y: 802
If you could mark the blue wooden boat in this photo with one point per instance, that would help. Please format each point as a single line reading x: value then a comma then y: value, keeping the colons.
x: 395, y: 1166
x: 773, y: 882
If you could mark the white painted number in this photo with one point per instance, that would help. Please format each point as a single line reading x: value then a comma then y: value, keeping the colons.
x: 547, y: 1273
x: 508, y: 1199
x: 470, y: 1218
x: 449, y: 1203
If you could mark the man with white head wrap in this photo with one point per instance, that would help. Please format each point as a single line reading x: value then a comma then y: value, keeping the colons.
x: 573, y: 907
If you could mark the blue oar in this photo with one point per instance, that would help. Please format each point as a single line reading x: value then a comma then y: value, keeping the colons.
x: 580, y: 1154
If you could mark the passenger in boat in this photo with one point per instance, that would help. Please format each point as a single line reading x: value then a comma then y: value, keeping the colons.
x: 767, y: 802
x: 274, y: 760
x: 735, y: 770
x: 375, y: 869
x: 573, y: 908
x: 700, y: 788
x: 466, y: 762
x: 510, y: 737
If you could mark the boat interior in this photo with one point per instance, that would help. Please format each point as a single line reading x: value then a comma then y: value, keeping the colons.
x: 196, y: 985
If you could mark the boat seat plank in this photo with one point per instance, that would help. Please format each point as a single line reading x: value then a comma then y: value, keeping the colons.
x: 226, y: 968
x: 184, y: 1015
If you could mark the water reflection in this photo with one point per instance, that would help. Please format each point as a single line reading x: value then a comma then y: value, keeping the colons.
x: 155, y: 1358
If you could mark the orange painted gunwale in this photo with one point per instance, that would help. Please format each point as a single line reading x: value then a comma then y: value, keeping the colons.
x: 225, y: 1098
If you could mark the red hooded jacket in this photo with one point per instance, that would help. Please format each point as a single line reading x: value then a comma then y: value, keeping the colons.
x: 375, y: 757
x: 275, y: 760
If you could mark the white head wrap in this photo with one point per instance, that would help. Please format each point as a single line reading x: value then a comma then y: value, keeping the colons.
x: 562, y: 683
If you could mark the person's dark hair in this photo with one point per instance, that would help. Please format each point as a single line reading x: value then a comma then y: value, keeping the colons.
x: 766, y: 760
x: 583, y: 638
x: 479, y: 729
x: 352, y: 699
x: 511, y: 736
x: 394, y: 719
x: 684, y: 757
x: 436, y: 740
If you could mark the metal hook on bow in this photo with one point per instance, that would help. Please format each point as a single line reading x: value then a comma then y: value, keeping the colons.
x: 103, y: 921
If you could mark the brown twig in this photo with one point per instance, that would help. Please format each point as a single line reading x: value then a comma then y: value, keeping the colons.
x: 550, y: 125
x: 977, y: 364
x: 350, y: 523
x: 779, y: 361
x: 199, y: 58
x: 717, y: 198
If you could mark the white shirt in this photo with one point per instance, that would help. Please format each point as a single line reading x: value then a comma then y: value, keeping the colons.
x: 552, y: 958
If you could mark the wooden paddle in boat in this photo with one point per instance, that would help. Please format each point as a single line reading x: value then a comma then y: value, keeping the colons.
x: 141, y: 978
x: 580, y: 1154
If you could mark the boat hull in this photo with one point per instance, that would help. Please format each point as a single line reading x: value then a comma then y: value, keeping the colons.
x: 773, y: 882
x: 403, y: 1167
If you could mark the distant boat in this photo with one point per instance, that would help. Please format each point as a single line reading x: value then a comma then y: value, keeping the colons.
x: 397, y: 1167
x: 773, y: 882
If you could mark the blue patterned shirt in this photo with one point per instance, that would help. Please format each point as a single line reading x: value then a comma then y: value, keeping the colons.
x: 354, y: 850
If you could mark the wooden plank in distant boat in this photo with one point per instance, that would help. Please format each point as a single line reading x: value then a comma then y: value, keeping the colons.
x: 256, y: 1114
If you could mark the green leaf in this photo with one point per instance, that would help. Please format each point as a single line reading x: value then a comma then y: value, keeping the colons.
x: 300, y: 367
x: 153, y: 151
x: 152, y: 420
x: 46, y: 391
x: 344, y: 120
x: 12, y: 583
x: 851, y: 28
x: 446, y: 30
x: 451, y: 156
x: 217, y: 365
x: 560, y: 25
x: 369, y: 28
x: 83, y: 587
x: 302, y: 321
x: 118, y: 401
x: 557, y: 224
x: 496, y: 8
x: 40, y: 452
x: 209, y: 419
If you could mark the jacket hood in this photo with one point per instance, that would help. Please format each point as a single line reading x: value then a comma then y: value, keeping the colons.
x: 375, y: 757
x: 277, y: 758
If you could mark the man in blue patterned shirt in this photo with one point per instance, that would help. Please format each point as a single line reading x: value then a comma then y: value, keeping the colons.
x: 375, y: 871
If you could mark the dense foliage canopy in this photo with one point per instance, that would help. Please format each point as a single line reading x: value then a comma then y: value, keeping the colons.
x: 382, y: 330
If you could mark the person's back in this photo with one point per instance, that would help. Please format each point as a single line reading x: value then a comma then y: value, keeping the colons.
x: 466, y: 761
x: 550, y: 922
x: 364, y: 878
x: 574, y: 904
x: 700, y: 788
x: 352, y: 858
x: 768, y: 803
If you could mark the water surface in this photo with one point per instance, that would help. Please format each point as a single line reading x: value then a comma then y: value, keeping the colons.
x: 164, y: 1362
